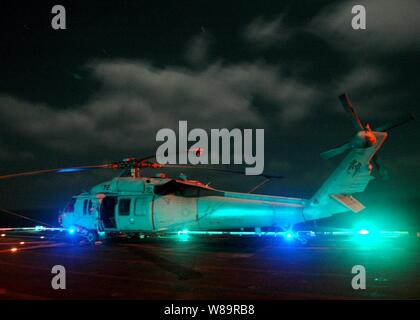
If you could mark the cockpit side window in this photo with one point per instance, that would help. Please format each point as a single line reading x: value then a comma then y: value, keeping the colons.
x: 124, y: 207
x: 70, y: 206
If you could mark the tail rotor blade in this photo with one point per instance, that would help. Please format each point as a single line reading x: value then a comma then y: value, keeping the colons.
x: 346, y: 102
x: 399, y: 122
x: 335, y: 151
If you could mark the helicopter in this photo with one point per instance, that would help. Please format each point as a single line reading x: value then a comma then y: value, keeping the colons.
x: 134, y: 204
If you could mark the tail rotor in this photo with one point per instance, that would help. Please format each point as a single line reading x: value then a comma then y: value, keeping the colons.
x: 365, y: 137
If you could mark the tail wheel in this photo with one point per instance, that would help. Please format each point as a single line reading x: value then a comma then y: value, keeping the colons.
x: 92, y: 236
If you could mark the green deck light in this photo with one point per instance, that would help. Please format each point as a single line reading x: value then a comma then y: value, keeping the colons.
x: 363, y: 232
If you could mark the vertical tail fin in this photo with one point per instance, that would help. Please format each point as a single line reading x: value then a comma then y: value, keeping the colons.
x: 351, y: 176
x: 354, y: 172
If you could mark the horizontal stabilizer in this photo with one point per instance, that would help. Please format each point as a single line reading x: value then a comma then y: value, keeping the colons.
x: 348, y: 201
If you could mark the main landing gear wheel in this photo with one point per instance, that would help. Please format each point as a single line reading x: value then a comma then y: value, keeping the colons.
x: 92, y: 236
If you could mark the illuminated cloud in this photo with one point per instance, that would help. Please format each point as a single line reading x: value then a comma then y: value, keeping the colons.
x: 264, y: 32
x: 391, y: 26
x: 136, y: 99
x: 198, y: 49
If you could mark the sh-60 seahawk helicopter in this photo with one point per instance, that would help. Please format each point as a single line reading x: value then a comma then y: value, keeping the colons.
x: 134, y: 204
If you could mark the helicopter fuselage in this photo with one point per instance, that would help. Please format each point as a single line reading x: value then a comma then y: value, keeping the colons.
x: 148, y: 205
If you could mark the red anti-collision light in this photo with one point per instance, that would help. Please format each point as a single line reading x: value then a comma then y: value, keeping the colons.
x: 370, y: 138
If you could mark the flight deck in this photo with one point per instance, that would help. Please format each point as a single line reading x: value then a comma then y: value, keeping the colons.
x: 207, y: 267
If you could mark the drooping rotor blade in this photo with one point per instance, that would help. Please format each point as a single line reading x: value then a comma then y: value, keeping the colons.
x: 398, y: 122
x: 266, y: 180
x: 346, y: 102
x: 59, y: 170
x: 268, y: 176
x: 271, y: 176
x: 335, y: 151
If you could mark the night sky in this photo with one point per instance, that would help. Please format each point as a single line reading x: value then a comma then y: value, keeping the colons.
x: 100, y: 90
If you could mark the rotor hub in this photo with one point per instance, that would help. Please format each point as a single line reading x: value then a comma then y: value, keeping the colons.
x: 365, y: 139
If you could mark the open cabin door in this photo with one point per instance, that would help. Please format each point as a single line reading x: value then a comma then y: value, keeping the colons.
x: 107, y: 212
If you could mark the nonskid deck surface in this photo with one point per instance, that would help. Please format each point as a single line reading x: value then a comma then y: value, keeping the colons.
x: 197, y: 267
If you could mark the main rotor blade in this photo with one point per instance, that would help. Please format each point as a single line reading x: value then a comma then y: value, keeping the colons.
x: 153, y: 156
x: 59, y: 170
x: 346, y: 102
x: 393, y: 124
x: 335, y: 151
x: 266, y: 180
x: 269, y: 176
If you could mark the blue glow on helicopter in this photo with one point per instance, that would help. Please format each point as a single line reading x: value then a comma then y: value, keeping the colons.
x: 72, y: 230
x: 289, y: 235
x: 69, y: 170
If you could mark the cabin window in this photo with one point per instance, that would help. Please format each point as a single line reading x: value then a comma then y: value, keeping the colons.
x: 85, y: 206
x: 89, y: 209
x: 124, y: 207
